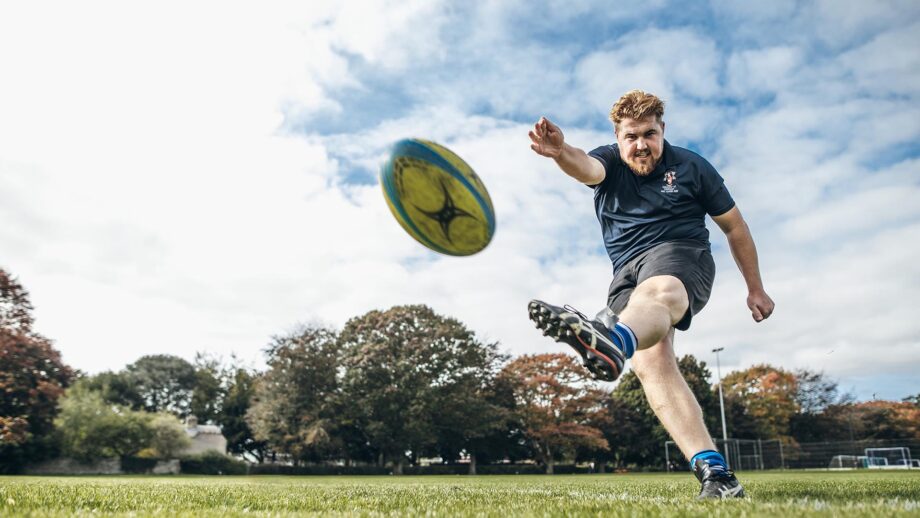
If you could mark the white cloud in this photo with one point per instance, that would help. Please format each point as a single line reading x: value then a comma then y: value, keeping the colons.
x: 758, y: 71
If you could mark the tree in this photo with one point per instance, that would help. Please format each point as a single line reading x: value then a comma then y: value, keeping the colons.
x: 89, y: 428
x: 415, y: 381
x: 292, y: 408
x: 15, y: 306
x: 209, y: 391
x: 168, y: 436
x: 818, y: 398
x: 241, y: 391
x: 636, y: 437
x: 165, y: 383
x: 118, y: 388
x: 767, y: 395
x: 555, y: 404
x: 462, y: 398
x: 815, y: 392
x: 503, y: 438
x: 32, y: 378
x: 884, y: 420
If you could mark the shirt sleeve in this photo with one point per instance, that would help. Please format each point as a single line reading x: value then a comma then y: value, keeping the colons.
x: 715, y: 196
x: 608, y: 156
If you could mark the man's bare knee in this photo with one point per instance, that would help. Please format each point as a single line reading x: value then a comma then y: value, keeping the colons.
x: 667, y: 291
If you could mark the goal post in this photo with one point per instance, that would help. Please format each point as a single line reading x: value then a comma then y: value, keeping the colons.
x: 889, y: 458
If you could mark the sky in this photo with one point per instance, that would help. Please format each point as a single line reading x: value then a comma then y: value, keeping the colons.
x: 179, y: 177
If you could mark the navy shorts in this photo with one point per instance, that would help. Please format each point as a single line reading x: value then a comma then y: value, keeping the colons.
x: 688, y: 260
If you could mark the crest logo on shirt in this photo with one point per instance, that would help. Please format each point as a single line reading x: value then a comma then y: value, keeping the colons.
x: 670, y: 182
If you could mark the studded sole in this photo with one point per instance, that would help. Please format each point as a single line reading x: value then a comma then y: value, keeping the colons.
x: 572, y: 334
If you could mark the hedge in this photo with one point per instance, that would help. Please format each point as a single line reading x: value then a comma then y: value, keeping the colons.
x: 212, y: 463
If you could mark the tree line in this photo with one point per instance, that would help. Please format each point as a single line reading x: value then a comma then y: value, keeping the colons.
x: 390, y: 388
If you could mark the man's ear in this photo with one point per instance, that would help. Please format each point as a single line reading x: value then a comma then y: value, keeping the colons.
x: 662, y: 127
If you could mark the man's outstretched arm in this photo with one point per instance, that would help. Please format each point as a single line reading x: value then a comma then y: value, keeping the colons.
x: 547, y: 140
x: 745, y: 253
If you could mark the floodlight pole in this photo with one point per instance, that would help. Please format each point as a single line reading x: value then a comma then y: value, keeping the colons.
x: 722, y: 403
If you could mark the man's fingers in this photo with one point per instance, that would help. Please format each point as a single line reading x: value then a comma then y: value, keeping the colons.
x: 755, y: 312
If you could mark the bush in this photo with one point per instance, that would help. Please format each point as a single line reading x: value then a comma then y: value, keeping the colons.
x: 319, y: 469
x: 90, y: 428
x: 212, y: 463
x: 137, y: 464
x: 169, y: 437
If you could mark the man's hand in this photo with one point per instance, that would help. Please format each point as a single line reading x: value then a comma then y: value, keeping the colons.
x: 546, y: 138
x: 761, y: 305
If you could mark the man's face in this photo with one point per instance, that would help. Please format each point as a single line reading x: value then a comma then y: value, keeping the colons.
x: 641, y: 143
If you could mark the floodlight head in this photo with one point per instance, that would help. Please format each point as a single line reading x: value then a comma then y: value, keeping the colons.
x: 717, y: 349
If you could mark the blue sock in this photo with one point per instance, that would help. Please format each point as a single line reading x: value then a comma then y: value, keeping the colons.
x: 624, y: 338
x: 715, y: 460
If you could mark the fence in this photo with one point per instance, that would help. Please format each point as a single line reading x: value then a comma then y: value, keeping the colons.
x: 748, y: 454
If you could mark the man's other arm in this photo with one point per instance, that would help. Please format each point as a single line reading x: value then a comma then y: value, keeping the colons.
x: 743, y: 250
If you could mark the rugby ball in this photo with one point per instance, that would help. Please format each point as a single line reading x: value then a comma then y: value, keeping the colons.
x: 437, y: 198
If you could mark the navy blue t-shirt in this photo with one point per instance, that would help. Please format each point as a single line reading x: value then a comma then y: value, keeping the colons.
x: 639, y: 212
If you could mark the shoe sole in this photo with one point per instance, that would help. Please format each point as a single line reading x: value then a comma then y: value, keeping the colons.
x: 548, y: 319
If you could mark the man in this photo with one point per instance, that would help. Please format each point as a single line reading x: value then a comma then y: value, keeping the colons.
x: 651, y: 199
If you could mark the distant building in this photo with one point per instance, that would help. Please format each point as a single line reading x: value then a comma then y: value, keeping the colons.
x: 204, y: 437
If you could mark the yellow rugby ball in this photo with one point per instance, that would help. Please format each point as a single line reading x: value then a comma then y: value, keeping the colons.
x: 437, y: 198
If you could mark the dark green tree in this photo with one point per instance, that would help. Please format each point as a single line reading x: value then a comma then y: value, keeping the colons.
x: 115, y: 387
x: 415, y: 381
x: 165, y: 383
x: 292, y: 409
x: 241, y: 390
x: 209, y: 390
x: 638, y: 437
x: 504, y: 438
x: 462, y: 399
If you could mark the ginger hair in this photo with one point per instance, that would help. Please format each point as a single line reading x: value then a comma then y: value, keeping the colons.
x: 636, y: 104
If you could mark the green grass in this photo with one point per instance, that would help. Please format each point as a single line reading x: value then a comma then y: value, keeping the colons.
x: 771, y: 494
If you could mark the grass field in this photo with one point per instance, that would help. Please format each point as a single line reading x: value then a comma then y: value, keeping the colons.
x: 771, y: 494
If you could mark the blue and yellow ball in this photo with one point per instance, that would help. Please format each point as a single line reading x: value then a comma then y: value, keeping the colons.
x: 437, y: 198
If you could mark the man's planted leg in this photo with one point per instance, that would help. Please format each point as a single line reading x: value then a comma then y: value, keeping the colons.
x: 670, y: 397
x: 676, y: 407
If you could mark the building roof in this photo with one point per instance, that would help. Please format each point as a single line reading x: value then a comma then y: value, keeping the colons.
x: 203, y: 429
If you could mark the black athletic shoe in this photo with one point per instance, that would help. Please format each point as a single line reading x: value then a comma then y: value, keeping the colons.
x: 590, y: 338
x: 716, y: 483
